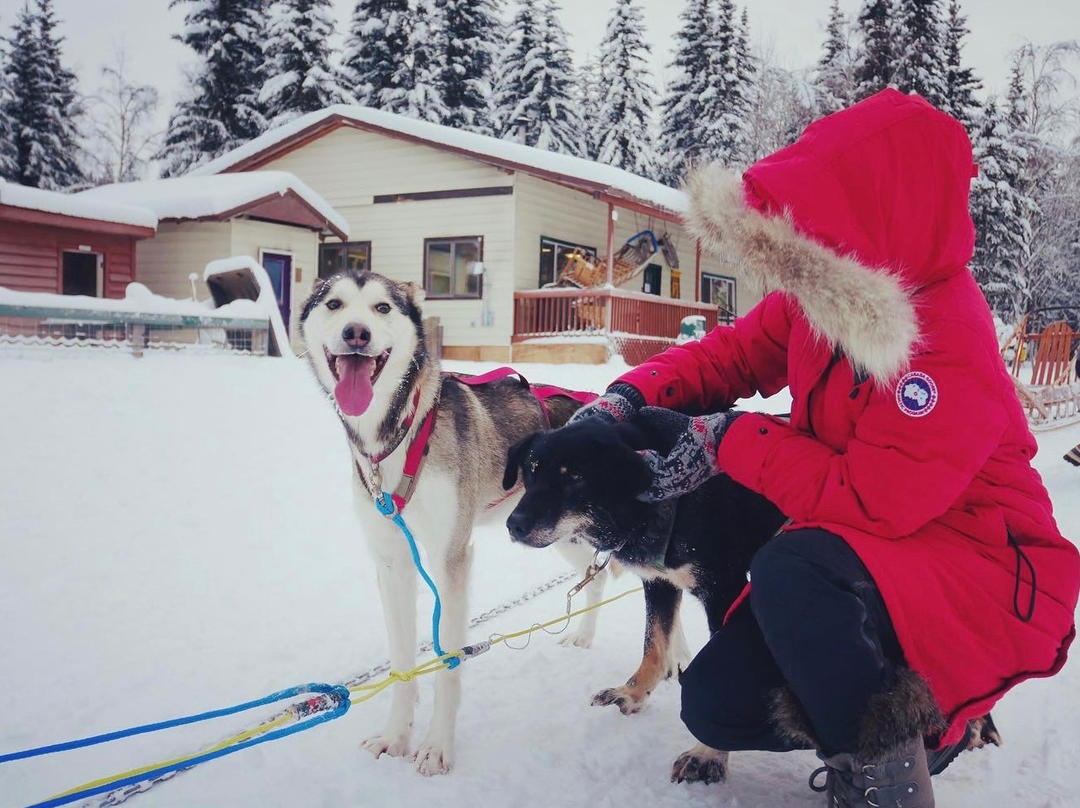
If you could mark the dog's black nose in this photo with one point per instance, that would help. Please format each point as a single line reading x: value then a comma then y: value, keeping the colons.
x: 356, y: 335
x: 518, y: 525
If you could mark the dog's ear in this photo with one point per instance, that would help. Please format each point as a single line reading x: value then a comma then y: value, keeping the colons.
x: 632, y: 435
x: 514, y: 457
x: 413, y: 291
x: 638, y: 473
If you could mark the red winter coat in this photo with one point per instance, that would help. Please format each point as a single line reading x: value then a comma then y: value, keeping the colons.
x: 906, y: 436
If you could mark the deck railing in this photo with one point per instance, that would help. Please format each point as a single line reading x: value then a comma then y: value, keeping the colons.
x: 584, y: 312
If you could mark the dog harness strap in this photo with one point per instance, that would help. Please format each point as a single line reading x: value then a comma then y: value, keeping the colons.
x: 414, y: 459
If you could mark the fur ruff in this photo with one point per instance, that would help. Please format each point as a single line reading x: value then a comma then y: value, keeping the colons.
x: 868, y: 314
x: 893, y: 716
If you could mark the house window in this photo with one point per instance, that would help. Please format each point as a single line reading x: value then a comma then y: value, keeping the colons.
x: 719, y: 290
x: 335, y: 258
x: 553, y: 255
x: 81, y: 274
x: 450, y: 266
x: 650, y: 281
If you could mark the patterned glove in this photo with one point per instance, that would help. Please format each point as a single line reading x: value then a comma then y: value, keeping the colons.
x: 692, y: 460
x: 619, y: 403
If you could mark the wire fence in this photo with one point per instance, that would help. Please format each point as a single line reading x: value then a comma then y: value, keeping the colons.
x: 26, y: 330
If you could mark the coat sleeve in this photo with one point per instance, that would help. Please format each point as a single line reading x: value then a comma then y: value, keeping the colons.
x: 729, y: 363
x: 898, y: 472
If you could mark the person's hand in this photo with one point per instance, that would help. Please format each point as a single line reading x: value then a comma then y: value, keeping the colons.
x: 619, y: 403
x: 692, y: 459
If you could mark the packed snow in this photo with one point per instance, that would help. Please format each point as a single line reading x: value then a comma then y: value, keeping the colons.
x: 21, y: 196
x: 139, y: 299
x: 199, y: 197
x: 177, y: 535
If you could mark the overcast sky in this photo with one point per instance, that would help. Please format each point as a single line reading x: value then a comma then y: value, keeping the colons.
x: 791, y: 29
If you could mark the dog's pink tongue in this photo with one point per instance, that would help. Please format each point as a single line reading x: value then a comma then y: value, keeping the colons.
x: 353, y: 391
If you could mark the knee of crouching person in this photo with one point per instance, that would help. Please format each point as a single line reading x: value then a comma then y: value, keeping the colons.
x: 695, y: 707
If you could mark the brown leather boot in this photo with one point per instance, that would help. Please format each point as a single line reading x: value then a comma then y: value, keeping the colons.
x: 897, y: 778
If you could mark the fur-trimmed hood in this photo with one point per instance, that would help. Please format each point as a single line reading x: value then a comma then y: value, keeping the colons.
x: 854, y: 220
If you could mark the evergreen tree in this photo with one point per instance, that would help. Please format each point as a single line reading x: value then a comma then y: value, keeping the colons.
x: 300, y: 78
x: 626, y: 105
x: 684, y: 126
x: 1017, y: 115
x: 730, y: 74
x: 1002, y: 210
x: 921, y: 67
x: 221, y: 110
x: 422, y: 95
x: 834, y: 76
x: 41, y: 105
x: 7, y: 130
x: 471, y: 33
x: 589, y: 95
x: 877, y: 57
x: 511, y: 110
x: 375, y: 70
x: 960, y: 82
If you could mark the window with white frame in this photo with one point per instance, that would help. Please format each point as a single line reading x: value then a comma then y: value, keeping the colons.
x: 450, y: 267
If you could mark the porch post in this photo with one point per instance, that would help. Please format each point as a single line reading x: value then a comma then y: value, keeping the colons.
x: 610, y: 243
x: 697, y: 270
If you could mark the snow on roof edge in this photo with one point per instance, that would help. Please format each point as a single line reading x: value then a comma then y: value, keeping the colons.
x: 23, y: 196
x: 194, y: 197
x: 615, y: 179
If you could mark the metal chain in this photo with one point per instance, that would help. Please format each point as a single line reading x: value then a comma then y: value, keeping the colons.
x: 121, y: 795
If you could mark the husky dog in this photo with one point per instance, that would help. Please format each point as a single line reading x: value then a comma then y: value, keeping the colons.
x: 365, y: 343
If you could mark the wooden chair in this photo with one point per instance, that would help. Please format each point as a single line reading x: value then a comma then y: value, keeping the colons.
x: 1052, y: 395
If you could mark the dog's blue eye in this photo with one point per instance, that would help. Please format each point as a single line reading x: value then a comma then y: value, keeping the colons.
x: 383, y: 308
x: 334, y: 304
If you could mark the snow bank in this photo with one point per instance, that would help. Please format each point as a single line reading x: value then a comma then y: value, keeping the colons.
x: 99, y: 210
x: 478, y: 145
x: 197, y: 197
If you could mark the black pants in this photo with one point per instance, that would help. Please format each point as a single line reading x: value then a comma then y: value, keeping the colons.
x: 817, y: 625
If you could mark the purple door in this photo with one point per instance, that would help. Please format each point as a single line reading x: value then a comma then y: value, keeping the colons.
x: 279, y: 268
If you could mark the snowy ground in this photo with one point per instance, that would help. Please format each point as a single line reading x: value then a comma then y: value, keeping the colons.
x: 176, y: 535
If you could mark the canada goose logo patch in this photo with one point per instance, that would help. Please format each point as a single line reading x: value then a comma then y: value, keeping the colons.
x: 916, y: 394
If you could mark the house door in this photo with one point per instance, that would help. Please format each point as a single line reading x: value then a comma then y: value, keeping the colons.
x: 651, y: 282
x: 79, y: 274
x: 279, y: 267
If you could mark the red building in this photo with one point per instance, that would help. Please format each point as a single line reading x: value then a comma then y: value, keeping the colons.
x: 54, y: 242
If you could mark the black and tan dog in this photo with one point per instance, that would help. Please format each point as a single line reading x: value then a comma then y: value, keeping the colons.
x: 582, y: 481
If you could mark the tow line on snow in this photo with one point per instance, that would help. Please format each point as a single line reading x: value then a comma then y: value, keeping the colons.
x: 327, y: 703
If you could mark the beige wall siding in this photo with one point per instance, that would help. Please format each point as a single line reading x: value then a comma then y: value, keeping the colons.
x: 250, y: 237
x: 349, y: 167
x: 164, y: 262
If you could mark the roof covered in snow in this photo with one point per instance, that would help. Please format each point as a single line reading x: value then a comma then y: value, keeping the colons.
x: 76, y: 205
x: 578, y: 172
x: 257, y: 193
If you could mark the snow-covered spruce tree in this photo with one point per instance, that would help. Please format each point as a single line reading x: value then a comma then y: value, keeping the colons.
x: 730, y: 73
x: 921, y: 65
x: 471, y: 35
x: 684, y: 127
x: 374, y: 62
x: 541, y: 81
x: 961, y: 84
x: 299, y: 78
x: 41, y: 107
x: 834, y: 76
x: 7, y: 130
x: 1002, y: 211
x: 221, y: 109
x: 421, y: 94
x: 626, y: 105
x: 512, y: 86
x: 589, y: 94
x: 877, y: 54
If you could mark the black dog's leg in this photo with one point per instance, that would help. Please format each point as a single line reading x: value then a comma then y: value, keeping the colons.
x: 661, y: 610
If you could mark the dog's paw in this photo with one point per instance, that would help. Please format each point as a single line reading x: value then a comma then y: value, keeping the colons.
x: 627, y: 700
x: 578, y: 639
x: 702, y: 764
x: 392, y: 744
x: 432, y: 759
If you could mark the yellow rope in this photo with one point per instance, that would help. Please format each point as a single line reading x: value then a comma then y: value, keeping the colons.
x: 369, y: 690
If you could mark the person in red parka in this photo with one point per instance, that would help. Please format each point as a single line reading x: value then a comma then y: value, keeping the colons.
x: 921, y: 574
